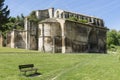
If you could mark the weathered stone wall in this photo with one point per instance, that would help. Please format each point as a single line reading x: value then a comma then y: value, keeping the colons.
x: 31, y: 35
x: 16, y: 39
x: 84, y: 38
x: 1, y: 40
x: 8, y: 40
x: 102, y: 40
x: 71, y: 37
x: 76, y: 37
x: 50, y: 37
x: 19, y: 39
x: 44, y: 14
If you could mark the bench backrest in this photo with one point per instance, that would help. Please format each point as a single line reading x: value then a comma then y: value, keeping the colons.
x: 26, y: 66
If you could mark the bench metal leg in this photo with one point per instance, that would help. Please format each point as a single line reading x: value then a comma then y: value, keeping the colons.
x: 36, y: 71
x: 25, y: 73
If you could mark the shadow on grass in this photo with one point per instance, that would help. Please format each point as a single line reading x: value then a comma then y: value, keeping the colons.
x: 33, y: 75
x: 30, y: 75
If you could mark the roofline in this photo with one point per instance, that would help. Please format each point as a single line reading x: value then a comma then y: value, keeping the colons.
x: 80, y: 14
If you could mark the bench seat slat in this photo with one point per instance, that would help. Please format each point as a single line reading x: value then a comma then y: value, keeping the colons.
x: 29, y: 69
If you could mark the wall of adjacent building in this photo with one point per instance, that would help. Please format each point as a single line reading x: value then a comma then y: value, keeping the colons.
x: 44, y: 14
x: 16, y: 39
x: 31, y: 35
x: 76, y: 37
x: 50, y: 37
x: 84, y: 38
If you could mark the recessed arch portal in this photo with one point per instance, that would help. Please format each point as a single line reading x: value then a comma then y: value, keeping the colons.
x: 92, y: 41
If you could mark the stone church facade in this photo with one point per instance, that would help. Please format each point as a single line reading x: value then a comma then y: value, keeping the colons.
x: 58, y: 34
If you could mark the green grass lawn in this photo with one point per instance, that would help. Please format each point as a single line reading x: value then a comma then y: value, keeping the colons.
x: 13, y: 50
x: 60, y: 66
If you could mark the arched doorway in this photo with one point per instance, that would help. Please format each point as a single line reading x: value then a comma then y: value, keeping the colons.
x: 92, y: 41
x: 56, y: 37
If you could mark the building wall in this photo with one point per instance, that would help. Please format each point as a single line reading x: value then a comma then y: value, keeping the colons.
x: 50, y: 37
x: 1, y: 40
x: 84, y: 38
x: 44, y: 14
x: 16, y: 39
x: 102, y: 35
x: 19, y: 39
x: 9, y: 38
x: 76, y: 37
x: 31, y: 35
x: 71, y: 37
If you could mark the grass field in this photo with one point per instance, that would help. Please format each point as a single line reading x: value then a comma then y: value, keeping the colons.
x: 59, y: 66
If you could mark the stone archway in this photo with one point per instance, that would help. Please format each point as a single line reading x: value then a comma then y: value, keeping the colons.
x: 56, y: 37
x: 92, y: 41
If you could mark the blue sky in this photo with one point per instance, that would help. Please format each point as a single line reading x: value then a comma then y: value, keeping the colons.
x: 108, y: 10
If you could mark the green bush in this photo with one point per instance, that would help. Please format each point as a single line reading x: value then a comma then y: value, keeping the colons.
x: 113, y: 38
x: 78, y: 20
x: 83, y: 21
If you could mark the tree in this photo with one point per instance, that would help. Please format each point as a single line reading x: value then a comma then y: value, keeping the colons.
x: 4, y: 15
x: 19, y: 23
x: 113, y: 38
x: 32, y: 17
x: 15, y: 23
x: 119, y: 37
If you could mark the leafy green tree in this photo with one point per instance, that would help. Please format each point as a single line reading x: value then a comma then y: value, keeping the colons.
x: 119, y: 37
x: 16, y: 23
x: 32, y: 17
x: 19, y: 23
x: 113, y: 38
x: 13, y: 23
x: 4, y: 16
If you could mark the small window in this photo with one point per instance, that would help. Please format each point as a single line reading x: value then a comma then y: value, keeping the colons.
x: 61, y: 15
x: 90, y: 20
x: 66, y: 15
x: 98, y: 22
x: 102, y: 23
x: 57, y: 14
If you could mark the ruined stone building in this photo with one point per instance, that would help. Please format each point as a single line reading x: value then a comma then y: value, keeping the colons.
x: 57, y: 33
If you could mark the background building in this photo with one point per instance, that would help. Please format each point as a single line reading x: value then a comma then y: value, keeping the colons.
x: 60, y: 31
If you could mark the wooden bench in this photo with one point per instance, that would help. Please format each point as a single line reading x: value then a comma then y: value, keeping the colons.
x: 27, y: 67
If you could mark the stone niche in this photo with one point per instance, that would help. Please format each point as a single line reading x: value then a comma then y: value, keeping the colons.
x: 19, y: 40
